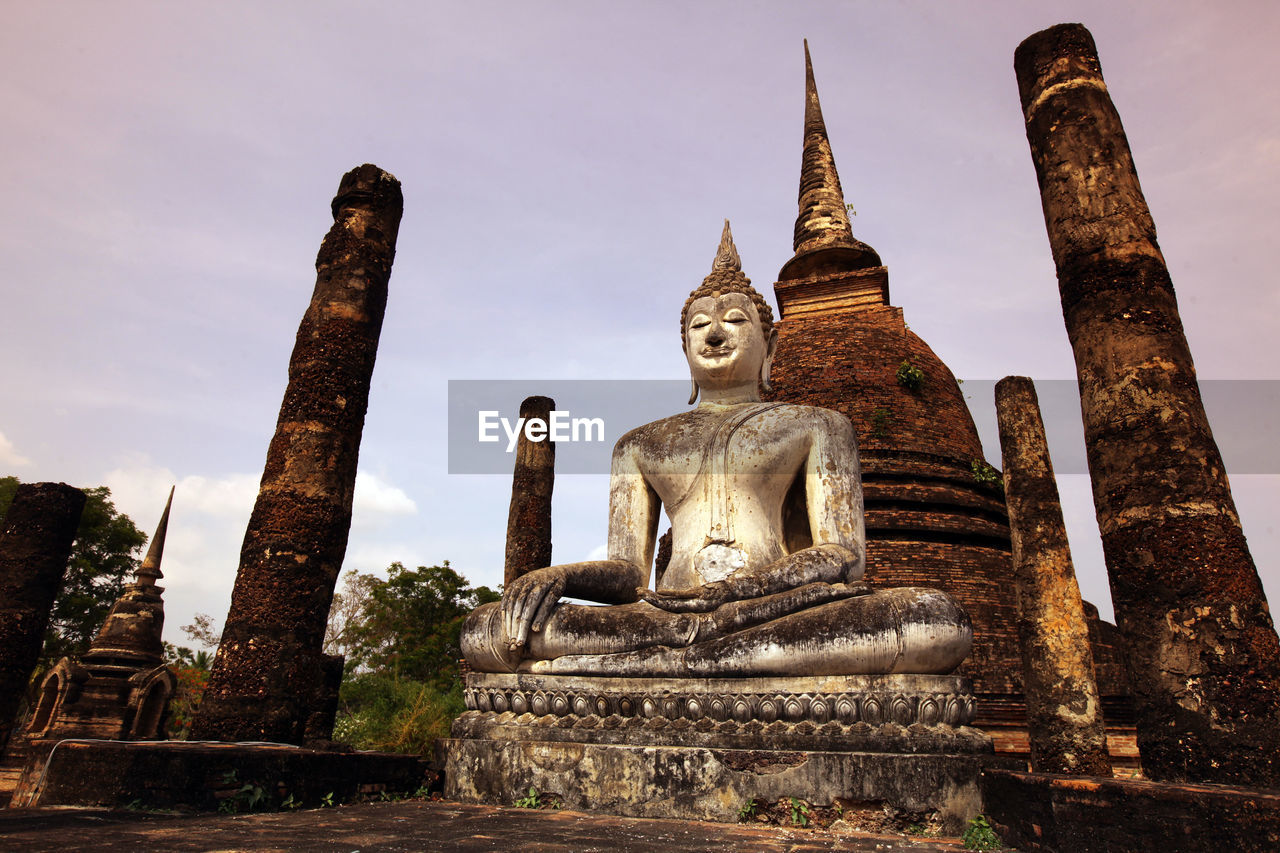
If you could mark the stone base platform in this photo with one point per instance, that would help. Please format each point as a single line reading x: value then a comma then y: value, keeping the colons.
x: 703, y: 748
x: 205, y: 776
x: 1049, y: 813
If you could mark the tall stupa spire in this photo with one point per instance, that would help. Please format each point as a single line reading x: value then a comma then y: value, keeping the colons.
x: 823, y: 235
x: 131, y: 632
x: 149, y: 572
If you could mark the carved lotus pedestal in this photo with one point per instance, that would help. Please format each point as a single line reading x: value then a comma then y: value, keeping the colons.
x: 703, y: 748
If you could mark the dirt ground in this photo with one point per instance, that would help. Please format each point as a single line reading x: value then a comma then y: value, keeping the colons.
x: 414, y: 825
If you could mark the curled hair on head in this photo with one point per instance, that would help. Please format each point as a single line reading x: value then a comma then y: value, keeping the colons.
x: 719, y: 283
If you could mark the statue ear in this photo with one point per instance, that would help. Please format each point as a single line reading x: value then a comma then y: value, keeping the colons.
x: 771, y: 346
x: 693, y: 395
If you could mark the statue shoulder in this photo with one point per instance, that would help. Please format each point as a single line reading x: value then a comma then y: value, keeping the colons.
x: 817, y: 417
x: 643, y: 437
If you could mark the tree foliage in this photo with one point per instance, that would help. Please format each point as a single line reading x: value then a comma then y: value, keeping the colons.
x: 409, y: 624
x: 104, y: 557
x: 191, y: 666
x: 400, y: 638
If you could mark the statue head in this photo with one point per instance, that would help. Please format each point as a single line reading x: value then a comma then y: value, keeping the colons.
x: 727, y: 327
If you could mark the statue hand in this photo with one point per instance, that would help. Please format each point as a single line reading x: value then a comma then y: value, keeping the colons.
x: 527, y: 603
x: 698, y: 599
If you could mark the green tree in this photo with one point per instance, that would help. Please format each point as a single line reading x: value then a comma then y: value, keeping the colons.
x: 410, y: 623
x: 104, y: 556
x: 192, y: 670
x: 400, y: 637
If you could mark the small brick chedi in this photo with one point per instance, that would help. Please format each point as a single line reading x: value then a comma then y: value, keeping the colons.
x: 758, y: 636
x: 935, y: 514
x: 120, y: 688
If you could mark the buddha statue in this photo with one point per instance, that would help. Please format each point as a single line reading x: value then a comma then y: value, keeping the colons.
x: 768, y: 545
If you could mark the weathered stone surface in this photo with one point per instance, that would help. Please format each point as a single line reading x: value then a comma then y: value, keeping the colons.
x: 532, y: 482
x: 178, y: 774
x: 1066, y: 814
x: 1064, y: 711
x: 35, y: 542
x: 269, y: 675
x: 709, y: 784
x: 1203, y: 650
x: 701, y: 748
x: 875, y: 699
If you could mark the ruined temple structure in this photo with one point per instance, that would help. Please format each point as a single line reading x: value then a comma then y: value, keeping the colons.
x: 271, y: 680
x: 120, y: 688
x: 1064, y: 713
x: 1203, y: 650
x: 35, y: 543
x: 532, y: 483
x: 935, y: 513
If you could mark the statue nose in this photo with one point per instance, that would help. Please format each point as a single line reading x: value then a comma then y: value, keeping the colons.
x: 716, y: 336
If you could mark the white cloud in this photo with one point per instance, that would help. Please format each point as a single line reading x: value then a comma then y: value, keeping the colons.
x: 9, y: 455
x: 210, y: 513
x: 375, y: 497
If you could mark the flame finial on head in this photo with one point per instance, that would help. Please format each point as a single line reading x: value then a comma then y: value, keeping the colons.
x: 727, y: 277
x: 727, y: 258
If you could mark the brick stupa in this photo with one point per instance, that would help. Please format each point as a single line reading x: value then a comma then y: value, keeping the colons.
x: 121, y: 687
x: 932, y: 518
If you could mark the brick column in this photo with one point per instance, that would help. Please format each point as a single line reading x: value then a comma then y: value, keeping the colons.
x: 1064, y: 711
x: 534, y: 478
x: 1202, y: 649
x: 270, y: 677
x: 35, y: 543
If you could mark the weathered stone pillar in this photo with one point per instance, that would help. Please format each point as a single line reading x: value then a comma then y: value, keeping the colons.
x: 270, y: 676
x: 1064, y: 712
x: 1202, y: 648
x: 529, y: 520
x: 35, y: 542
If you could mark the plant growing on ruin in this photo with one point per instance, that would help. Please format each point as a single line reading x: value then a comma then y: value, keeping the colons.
x: 748, y: 810
x: 984, y: 474
x: 800, y: 814
x: 979, y: 835
x: 909, y: 376
x: 880, y: 420
x: 247, y: 798
x: 533, y: 800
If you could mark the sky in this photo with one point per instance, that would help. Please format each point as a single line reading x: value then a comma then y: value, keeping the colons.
x: 566, y: 169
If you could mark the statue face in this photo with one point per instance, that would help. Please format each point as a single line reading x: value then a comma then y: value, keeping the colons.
x: 725, y: 343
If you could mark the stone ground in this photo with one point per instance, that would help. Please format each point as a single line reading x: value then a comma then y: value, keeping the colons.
x: 421, y: 825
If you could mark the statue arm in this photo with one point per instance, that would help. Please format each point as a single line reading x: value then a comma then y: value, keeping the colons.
x: 633, y: 522
x: 833, y: 494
